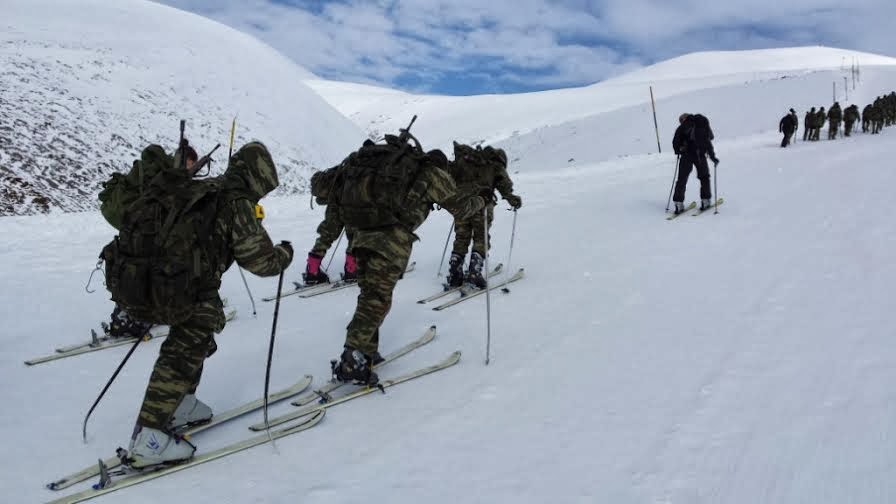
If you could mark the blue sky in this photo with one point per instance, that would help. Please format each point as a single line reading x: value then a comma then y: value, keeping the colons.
x: 464, y: 47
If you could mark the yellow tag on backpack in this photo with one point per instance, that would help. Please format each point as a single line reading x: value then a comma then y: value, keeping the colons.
x: 259, y: 212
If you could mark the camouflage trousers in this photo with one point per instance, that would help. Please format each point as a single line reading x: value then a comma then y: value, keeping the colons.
x: 179, y: 367
x: 472, y: 229
x: 833, y: 127
x: 377, y: 275
x: 328, y: 231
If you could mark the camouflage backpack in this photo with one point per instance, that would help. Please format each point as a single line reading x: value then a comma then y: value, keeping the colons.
x: 475, y: 169
x: 372, y: 186
x: 163, y: 260
x: 123, y: 189
x: 323, y: 183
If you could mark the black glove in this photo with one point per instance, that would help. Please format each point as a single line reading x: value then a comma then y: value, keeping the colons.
x: 488, y: 195
x: 715, y: 160
x: 514, y: 200
x: 286, y: 247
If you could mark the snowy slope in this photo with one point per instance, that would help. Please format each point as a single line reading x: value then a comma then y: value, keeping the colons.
x: 741, y: 357
x: 542, y: 129
x: 86, y: 84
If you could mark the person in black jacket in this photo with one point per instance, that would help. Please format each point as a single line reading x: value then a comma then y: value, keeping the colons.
x: 693, y: 142
x: 787, y: 126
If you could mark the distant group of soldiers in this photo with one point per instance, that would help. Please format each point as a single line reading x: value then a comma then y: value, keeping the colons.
x: 874, y: 117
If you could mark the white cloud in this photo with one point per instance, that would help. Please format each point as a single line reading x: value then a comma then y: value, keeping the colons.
x: 504, y: 44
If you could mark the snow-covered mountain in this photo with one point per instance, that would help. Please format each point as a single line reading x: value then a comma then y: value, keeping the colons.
x: 742, y: 92
x: 86, y: 84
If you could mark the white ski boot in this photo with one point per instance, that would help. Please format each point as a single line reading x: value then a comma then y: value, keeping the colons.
x: 705, y: 203
x: 191, y: 411
x: 151, y: 447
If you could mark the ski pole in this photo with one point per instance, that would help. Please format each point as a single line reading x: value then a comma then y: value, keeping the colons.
x: 108, y: 384
x: 488, y: 299
x: 674, y: 177
x: 267, y: 373
x: 334, y: 249
x: 242, y: 275
x: 505, y: 290
x: 445, y: 250
x: 248, y: 291
x: 715, y: 168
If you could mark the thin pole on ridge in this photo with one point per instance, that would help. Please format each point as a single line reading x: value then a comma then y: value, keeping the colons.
x: 655, y: 125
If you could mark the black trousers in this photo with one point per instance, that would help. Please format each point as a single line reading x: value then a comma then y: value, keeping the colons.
x: 686, y: 164
x: 786, y: 140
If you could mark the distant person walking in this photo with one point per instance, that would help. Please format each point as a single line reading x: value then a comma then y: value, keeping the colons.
x: 808, y: 124
x: 788, y: 126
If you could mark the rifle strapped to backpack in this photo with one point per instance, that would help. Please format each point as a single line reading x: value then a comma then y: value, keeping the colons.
x: 372, y: 186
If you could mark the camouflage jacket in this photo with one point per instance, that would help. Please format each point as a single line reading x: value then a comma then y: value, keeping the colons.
x: 250, y: 175
x: 835, y: 114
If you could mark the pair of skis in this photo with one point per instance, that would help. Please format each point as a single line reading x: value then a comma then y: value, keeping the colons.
x: 307, y: 291
x: 468, y: 292
x: 101, y: 342
x: 309, y: 417
x: 692, y: 206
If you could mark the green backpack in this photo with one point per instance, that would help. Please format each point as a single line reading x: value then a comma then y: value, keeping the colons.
x: 372, y: 185
x: 164, y: 260
x: 121, y: 190
x: 475, y: 169
x: 323, y: 183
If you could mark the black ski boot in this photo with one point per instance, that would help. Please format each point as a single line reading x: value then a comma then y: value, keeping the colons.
x: 313, y: 275
x: 355, y: 367
x: 456, y: 270
x: 679, y: 207
x: 123, y: 326
x: 705, y: 203
x: 474, y: 274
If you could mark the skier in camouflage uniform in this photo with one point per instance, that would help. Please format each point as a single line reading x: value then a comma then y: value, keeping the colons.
x: 835, y: 115
x: 877, y: 117
x: 820, y: 117
x: 850, y: 116
x: 237, y: 236
x: 808, y: 124
x: 477, y: 171
x: 866, y: 118
x: 383, y: 252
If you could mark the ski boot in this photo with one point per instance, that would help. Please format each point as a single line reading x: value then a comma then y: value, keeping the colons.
x: 679, y: 207
x: 474, y: 273
x: 191, y: 411
x: 123, y: 326
x: 354, y: 366
x: 705, y: 203
x: 456, y: 270
x: 351, y: 269
x: 151, y: 447
x: 313, y: 274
